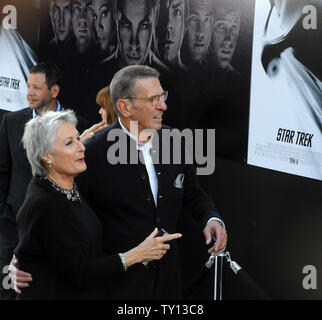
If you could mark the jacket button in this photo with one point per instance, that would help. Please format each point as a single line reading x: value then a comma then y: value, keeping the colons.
x: 148, y: 198
x: 160, y: 197
x: 158, y: 173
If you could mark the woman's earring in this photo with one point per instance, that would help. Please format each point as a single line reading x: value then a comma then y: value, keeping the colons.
x: 50, y: 165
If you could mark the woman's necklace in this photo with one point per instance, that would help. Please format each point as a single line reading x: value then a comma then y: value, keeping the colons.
x: 72, y: 195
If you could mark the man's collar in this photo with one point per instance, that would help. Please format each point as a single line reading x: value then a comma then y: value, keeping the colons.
x: 139, y: 145
x: 34, y: 114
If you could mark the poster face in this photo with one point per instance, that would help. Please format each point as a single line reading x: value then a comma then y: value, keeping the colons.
x: 202, y: 49
x: 18, y: 42
x: 285, y: 127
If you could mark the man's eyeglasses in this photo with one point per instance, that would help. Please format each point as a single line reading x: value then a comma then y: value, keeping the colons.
x: 154, y: 99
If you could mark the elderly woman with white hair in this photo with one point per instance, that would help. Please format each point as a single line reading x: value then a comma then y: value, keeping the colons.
x: 60, y: 237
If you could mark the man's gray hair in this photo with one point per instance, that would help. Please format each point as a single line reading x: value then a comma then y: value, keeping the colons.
x: 123, y: 82
x: 40, y: 135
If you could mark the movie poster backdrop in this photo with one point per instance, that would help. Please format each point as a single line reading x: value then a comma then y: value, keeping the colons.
x: 202, y: 49
x: 285, y: 128
x: 19, y: 26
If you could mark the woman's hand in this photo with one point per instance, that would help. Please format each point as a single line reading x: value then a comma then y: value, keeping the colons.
x: 152, y: 248
x: 90, y: 132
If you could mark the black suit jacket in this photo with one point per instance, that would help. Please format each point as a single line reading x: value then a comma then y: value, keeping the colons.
x: 15, y: 171
x: 122, y: 198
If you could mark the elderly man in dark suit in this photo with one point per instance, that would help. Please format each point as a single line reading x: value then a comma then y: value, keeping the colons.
x: 133, y: 197
x: 15, y: 172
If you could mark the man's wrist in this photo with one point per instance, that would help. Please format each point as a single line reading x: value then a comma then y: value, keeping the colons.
x: 217, y: 219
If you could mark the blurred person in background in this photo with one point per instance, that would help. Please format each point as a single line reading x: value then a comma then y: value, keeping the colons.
x: 172, y: 32
x: 83, y: 27
x: 107, y: 111
x: 61, y: 20
x: 199, y: 29
x: 105, y: 27
x: 225, y: 32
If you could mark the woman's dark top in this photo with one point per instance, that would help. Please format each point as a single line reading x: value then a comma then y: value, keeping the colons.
x: 60, y: 244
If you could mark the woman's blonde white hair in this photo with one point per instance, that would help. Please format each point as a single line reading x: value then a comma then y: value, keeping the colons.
x: 39, y: 137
